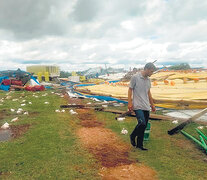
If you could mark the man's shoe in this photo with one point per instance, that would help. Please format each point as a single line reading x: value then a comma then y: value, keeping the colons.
x: 142, y: 148
x: 132, y: 141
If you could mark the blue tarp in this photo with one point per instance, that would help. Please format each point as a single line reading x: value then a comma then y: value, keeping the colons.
x: 3, y: 87
x: 80, y: 85
x: 114, y: 81
x: 32, y: 77
x: 106, y: 98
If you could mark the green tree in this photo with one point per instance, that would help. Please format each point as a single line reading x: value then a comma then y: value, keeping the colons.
x: 64, y: 74
x: 182, y: 66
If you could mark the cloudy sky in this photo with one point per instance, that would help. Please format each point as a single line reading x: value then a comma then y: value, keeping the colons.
x: 78, y: 34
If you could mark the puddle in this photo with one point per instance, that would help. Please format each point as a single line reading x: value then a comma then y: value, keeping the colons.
x: 5, y: 135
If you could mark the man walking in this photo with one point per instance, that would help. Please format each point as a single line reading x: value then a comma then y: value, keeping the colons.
x: 140, y: 100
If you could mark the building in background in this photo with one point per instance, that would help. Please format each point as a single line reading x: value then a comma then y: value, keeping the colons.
x: 44, y: 72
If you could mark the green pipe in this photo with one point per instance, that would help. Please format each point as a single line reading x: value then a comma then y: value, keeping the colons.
x: 203, y: 142
x: 203, y: 135
x: 194, y: 139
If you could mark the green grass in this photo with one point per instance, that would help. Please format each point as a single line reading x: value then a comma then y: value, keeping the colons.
x: 173, y: 157
x: 50, y: 148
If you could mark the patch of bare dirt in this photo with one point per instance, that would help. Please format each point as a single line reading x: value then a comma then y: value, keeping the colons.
x: 88, y: 119
x: 3, y: 113
x: 182, y: 143
x: 33, y: 113
x: 88, y: 123
x: 132, y: 172
x: 109, y: 150
x: 105, y: 146
x: 19, y: 130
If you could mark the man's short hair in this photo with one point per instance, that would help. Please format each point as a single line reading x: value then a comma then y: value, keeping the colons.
x: 150, y: 66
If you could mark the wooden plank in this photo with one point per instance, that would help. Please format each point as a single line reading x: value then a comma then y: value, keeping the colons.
x: 87, y: 105
x: 127, y: 113
x: 181, y: 102
x: 201, y: 113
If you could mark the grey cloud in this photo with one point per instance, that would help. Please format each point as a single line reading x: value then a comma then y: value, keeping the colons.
x: 85, y: 10
x: 187, y: 11
x: 28, y: 18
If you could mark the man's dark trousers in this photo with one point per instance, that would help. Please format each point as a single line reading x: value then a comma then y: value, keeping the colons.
x: 142, y: 118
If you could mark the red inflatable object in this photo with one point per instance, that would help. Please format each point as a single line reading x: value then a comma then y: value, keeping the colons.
x: 16, y: 82
x: 35, y: 88
x: 6, y: 82
x: 39, y: 88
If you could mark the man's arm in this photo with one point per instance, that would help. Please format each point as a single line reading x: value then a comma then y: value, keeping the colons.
x: 130, y: 106
x: 151, y: 101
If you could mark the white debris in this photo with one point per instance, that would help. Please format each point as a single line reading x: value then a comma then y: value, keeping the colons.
x: 200, y: 127
x: 23, y: 100
x: 46, y: 103
x: 30, y: 102
x: 89, y: 103
x: 8, y: 97
x: 120, y: 118
x: 52, y: 92
x: 95, y: 99
x: 72, y: 112
x: 175, y: 122
x: 62, y: 96
x: 124, y: 131
x: 57, y: 110
x: 72, y: 95
x: 15, y: 119
x: 14, y: 99
x: 5, y: 126
x: 1, y: 104
x: 63, y: 110
x: 104, y: 105
x: 23, y: 104
x: 44, y: 94
x: 19, y: 111
x: 12, y: 110
x: 36, y: 96
x: 26, y: 113
x: 116, y: 104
